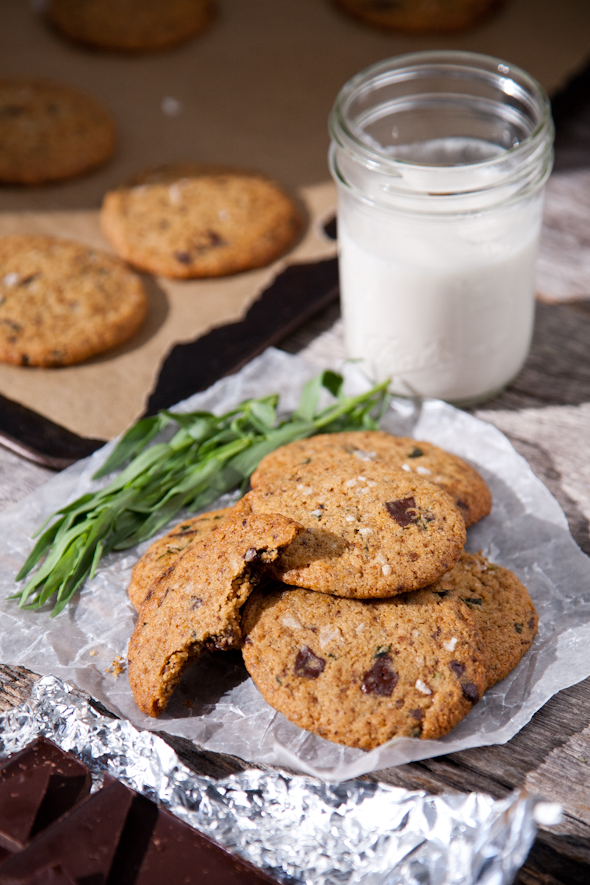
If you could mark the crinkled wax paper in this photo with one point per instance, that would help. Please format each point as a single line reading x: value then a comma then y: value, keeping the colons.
x: 217, y: 705
x: 300, y: 829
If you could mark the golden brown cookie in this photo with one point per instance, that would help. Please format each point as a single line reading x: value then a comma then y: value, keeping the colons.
x: 61, y: 302
x: 420, y: 16
x: 360, y: 673
x: 371, y: 531
x: 451, y: 473
x: 49, y: 131
x: 131, y: 25
x: 165, y: 551
x: 501, y: 608
x: 192, y: 220
x: 195, y: 605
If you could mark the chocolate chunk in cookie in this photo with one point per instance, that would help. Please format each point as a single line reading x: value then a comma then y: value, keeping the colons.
x: 195, y: 605
x: 371, y: 531
x: 360, y: 673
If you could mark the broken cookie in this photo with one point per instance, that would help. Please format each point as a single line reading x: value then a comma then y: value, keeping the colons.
x: 195, y: 605
x: 163, y: 552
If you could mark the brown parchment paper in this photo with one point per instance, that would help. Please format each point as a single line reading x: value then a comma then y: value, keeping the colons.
x: 102, y: 396
x: 254, y: 90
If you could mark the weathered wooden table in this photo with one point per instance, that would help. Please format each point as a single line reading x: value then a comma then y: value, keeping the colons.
x: 546, y: 414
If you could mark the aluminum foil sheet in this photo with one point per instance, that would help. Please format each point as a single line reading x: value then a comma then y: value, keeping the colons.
x: 297, y: 828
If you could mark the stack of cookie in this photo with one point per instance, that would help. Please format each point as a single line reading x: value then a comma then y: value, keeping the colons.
x: 342, y: 576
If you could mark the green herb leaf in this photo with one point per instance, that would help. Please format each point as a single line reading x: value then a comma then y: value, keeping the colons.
x: 333, y: 382
x: 133, y: 442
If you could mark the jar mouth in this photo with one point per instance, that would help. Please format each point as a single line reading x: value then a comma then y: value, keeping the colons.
x: 436, y: 122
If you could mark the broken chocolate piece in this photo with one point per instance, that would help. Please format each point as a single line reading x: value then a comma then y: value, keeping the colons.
x: 177, y: 853
x: 83, y: 842
x: 381, y: 679
x: 20, y: 798
x: 308, y: 664
x: 402, y: 511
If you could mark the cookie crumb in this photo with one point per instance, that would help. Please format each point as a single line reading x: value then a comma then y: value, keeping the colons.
x: 117, y: 667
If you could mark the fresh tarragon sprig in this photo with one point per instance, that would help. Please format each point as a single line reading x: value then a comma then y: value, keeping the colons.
x: 206, y: 457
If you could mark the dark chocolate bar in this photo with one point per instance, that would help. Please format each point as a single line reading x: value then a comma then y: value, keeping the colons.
x: 20, y: 800
x: 113, y: 837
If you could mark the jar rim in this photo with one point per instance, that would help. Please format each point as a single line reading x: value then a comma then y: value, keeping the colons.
x: 453, y: 203
x: 473, y: 62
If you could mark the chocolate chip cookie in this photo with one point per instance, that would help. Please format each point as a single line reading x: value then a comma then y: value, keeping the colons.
x: 165, y: 551
x: 451, y: 473
x: 49, y: 131
x: 62, y: 302
x: 500, y: 605
x: 370, y: 531
x: 420, y: 16
x: 130, y: 25
x: 195, y: 605
x: 200, y: 221
x: 360, y: 673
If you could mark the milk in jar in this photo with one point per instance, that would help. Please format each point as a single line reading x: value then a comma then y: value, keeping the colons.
x: 440, y: 184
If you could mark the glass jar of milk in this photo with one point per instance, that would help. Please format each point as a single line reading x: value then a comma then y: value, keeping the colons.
x: 440, y: 160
